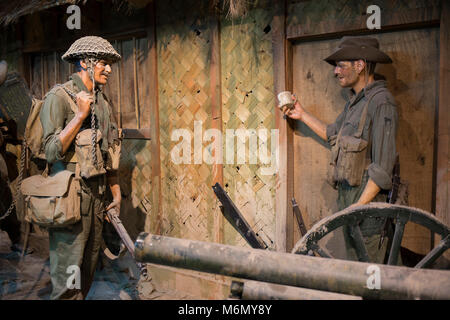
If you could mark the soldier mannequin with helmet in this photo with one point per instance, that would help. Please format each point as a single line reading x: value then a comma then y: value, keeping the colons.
x: 79, y: 244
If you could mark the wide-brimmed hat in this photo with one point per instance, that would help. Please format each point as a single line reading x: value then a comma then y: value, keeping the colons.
x: 355, y: 48
x: 91, y: 47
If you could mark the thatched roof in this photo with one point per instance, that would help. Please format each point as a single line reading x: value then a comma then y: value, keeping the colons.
x: 10, y: 10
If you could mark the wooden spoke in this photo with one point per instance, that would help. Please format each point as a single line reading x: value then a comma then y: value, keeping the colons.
x: 361, y: 250
x: 435, y: 253
x: 323, y: 252
x: 397, y: 241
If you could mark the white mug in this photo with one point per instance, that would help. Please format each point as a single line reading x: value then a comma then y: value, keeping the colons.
x: 285, y: 99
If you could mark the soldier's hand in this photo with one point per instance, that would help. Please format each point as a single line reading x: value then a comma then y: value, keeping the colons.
x: 84, y: 101
x: 296, y: 111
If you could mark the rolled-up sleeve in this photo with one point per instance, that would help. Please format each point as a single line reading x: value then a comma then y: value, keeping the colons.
x: 53, y: 117
x: 384, y: 130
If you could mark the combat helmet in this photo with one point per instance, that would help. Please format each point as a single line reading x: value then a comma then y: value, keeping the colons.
x: 91, y: 47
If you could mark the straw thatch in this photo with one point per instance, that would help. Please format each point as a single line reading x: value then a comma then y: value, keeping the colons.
x: 10, y: 11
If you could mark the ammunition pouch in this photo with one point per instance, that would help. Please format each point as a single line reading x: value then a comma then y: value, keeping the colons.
x: 349, y: 155
x: 83, y: 152
x: 348, y: 161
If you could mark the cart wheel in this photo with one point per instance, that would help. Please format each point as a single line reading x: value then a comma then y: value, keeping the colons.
x: 308, y: 245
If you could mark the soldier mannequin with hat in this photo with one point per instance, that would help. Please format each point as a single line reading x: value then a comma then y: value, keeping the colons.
x: 367, y: 126
x: 78, y: 245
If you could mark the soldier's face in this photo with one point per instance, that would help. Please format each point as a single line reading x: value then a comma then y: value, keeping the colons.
x: 102, y: 71
x: 347, y: 74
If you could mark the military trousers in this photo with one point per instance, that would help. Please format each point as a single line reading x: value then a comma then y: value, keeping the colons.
x: 370, y: 228
x: 74, y: 250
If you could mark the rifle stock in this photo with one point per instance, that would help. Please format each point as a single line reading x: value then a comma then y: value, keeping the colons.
x: 113, y: 217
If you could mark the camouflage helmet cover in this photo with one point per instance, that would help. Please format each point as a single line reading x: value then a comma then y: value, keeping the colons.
x: 91, y: 47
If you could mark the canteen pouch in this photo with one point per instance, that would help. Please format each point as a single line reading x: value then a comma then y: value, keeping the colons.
x: 351, y: 161
x: 52, y: 201
x: 83, y: 151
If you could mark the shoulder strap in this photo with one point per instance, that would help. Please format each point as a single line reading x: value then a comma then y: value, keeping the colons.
x: 362, y: 121
x: 71, y: 97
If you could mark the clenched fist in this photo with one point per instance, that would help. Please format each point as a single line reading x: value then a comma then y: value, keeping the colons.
x: 84, y: 101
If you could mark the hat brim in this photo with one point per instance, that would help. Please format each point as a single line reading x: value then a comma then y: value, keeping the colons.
x: 349, y: 53
x: 72, y: 58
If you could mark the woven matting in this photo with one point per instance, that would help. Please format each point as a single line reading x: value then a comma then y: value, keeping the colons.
x: 248, y: 103
x: 183, y: 80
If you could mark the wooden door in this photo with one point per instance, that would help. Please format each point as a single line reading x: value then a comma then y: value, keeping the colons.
x: 413, y: 80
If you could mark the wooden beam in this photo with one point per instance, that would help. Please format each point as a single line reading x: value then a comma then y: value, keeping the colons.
x: 216, y: 114
x: 135, y: 86
x: 390, y: 21
x: 282, y: 81
x: 64, y: 43
x: 154, y: 123
x: 443, y: 143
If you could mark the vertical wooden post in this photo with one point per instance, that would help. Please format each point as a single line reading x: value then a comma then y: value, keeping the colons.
x: 154, y: 123
x: 282, y: 81
x: 136, y: 96
x: 119, y: 86
x: 443, y: 143
x: 120, y: 82
x: 216, y: 113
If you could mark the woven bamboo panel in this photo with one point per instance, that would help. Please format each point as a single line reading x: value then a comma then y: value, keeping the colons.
x: 188, y: 201
x: 136, y: 185
x: 248, y: 103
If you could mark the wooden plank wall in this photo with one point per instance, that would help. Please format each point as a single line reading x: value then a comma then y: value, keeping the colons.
x: 443, y: 123
x: 413, y: 79
x: 414, y: 93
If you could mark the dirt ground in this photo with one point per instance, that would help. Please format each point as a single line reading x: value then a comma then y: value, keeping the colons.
x: 29, y: 278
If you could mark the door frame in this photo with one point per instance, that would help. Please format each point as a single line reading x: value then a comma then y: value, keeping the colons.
x: 283, y: 37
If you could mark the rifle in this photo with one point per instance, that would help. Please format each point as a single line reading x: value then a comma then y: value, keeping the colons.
x: 392, y: 198
x: 236, y: 219
x: 298, y: 215
x: 123, y: 234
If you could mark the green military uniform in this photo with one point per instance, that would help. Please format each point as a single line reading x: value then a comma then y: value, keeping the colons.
x: 78, y: 244
x: 380, y: 130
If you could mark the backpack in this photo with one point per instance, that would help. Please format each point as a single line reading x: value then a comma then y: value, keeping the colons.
x: 33, y: 129
x: 44, y: 200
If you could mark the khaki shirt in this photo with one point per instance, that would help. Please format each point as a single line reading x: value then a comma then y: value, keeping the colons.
x: 380, y: 129
x: 56, y: 113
